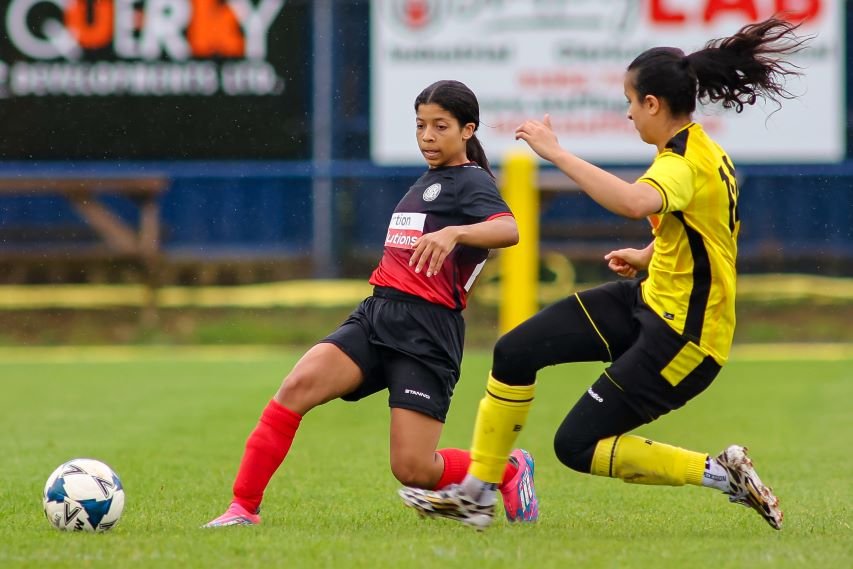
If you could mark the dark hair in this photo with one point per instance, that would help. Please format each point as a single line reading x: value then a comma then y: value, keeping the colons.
x: 735, y: 70
x: 457, y: 99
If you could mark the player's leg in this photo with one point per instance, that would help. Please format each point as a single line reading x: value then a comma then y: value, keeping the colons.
x: 563, y: 332
x: 420, y: 390
x: 324, y: 373
x: 414, y: 438
x: 589, y: 326
x: 592, y: 440
x: 660, y: 373
x: 417, y: 462
x: 330, y: 369
x: 420, y: 346
x: 419, y: 394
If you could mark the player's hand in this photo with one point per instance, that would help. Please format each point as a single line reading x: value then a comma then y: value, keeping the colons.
x: 432, y: 249
x: 626, y: 262
x: 540, y: 137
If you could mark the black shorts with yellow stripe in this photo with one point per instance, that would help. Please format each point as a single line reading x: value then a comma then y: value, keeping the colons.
x: 656, y: 368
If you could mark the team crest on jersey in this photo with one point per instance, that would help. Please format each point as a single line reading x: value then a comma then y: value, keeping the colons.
x: 432, y: 192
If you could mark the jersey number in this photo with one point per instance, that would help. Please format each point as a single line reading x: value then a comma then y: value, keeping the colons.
x: 728, y: 176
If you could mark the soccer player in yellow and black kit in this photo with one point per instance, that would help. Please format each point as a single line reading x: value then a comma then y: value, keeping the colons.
x: 665, y: 336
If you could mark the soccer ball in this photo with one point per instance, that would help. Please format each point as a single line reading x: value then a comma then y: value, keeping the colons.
x: 83, y: 495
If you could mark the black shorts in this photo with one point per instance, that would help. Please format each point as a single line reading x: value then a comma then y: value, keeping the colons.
x: 661, y: 370
x: 406, y: 344
x: 656, y: 369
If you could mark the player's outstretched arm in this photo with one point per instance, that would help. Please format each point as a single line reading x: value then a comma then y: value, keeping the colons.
x: 635, y: 201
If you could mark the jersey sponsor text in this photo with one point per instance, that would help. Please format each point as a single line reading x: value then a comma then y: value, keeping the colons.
x: 405, y: 229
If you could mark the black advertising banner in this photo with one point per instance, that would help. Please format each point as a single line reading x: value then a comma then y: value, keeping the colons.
x: 154, y: 79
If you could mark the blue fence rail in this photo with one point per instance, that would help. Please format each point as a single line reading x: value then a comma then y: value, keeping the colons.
x: 791, y: 215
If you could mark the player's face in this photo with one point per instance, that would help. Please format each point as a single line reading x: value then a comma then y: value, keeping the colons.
x: 638, y: 111
x: 441, y: 138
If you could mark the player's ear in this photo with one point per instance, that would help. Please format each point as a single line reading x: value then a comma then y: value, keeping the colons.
x: 468, y: 130
x: 652, y: 104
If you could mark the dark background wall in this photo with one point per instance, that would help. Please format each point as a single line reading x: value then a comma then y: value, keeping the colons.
x: 795, y: 218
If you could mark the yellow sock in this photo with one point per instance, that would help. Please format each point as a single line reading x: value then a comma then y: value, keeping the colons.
x: 641, y: 461
x: 501, y: 416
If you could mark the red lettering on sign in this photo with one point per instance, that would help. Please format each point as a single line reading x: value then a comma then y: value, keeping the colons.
x: 662, y: 14
x: 91, y: 22
x: 798, y: 10
x: 745, y: 8
x: 214, y: 30
x: 708, y: 11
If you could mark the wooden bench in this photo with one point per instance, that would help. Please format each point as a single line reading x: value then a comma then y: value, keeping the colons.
x: 117, y: 238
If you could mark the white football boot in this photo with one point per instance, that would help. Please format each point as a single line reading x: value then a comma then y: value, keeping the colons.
x: 746, y: 488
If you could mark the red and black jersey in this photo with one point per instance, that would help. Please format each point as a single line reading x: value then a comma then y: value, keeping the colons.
x: 452, y: 195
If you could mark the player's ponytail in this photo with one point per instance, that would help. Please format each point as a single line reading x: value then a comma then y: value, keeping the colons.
x: 457, y: 99
x: 475, y: 152
x: 735, y: 71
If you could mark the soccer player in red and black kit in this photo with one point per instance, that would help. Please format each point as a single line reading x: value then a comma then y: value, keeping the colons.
x: 408, y: 336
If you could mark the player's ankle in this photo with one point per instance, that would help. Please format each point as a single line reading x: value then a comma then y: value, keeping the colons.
x: 715, y: 476
x: 483, y: 493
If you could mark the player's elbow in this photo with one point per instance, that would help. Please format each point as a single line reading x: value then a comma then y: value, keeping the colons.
x: 631, y: 211
x: 641, y: 202
x: 512, y: 237
x: 508, y: 231
x: 640, y: 208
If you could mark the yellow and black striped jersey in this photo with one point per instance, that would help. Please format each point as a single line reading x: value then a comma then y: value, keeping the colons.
x: 691, y: 282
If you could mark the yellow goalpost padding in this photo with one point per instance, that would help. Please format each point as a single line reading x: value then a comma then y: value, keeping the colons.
x: 519, y: 265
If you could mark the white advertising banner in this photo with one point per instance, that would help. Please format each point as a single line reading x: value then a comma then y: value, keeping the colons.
x: 525, y: 58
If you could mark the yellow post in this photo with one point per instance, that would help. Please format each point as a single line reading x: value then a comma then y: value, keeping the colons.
x: 519, y: 265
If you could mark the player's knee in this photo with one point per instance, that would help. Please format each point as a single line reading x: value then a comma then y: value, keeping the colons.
x: 511, y: 361
x: 573, y: 451
x: 410, y: 472
x: 299, y: 392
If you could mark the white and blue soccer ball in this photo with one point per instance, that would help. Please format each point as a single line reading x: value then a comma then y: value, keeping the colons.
x: 83, y: 495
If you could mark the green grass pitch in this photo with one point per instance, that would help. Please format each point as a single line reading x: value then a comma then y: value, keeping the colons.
x: 173, y: 424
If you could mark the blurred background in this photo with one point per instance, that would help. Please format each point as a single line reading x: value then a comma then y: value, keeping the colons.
x: 223, y: 171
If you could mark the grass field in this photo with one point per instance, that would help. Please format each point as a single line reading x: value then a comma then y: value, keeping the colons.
x: 173, y: 423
